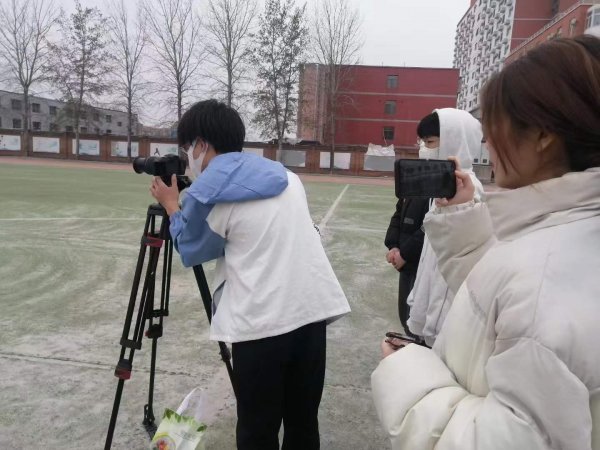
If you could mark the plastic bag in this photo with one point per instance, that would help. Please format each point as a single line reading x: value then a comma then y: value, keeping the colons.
x: 183, y: 429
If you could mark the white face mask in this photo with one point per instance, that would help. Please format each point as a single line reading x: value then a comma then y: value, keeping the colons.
x: 428, y: 153
x: 195, y: 164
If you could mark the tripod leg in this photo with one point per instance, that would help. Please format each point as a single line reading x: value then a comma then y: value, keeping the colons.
x: 207, y: 301
x: 149, y: 419
x: 155, y: 330
x: 113, y: 417
x: 145, y: 312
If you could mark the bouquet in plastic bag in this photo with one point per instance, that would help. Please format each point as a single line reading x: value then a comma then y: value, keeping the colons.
x: 182, y: 429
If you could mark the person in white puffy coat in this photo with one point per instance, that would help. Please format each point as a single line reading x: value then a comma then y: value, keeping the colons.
x: 430, y: 299
x: 516, y: 365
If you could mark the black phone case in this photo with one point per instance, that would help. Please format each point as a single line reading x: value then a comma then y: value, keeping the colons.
x: 425, y: 178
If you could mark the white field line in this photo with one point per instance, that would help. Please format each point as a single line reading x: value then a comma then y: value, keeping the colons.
x: 219, y: 381
x: 356, y: 229
x: 323, y: 223
x: 80, y: 363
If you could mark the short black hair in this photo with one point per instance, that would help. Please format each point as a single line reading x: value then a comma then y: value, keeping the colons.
x: 429, y: 126
x: 214, y: 122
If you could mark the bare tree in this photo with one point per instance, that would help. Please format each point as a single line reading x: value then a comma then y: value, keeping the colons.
x: 25, y: 25
x: 80, y: 61
x: 128, y: 42
x: 337, y: 43
x: 279, y: 50
x: 174, y: 30
x: 229, y: 23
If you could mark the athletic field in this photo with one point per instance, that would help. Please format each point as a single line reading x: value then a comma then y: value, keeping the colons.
x: 69, y: 240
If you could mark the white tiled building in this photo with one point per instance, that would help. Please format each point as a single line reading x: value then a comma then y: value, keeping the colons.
x: 483, y: 40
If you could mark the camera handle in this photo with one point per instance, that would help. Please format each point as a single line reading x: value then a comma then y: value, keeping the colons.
x: 153, y: 240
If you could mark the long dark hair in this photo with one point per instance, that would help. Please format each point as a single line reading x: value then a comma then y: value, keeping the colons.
x: 554, y: 88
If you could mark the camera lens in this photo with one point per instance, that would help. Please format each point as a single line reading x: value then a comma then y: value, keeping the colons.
x: 139, y: 164
x: 147, y: 165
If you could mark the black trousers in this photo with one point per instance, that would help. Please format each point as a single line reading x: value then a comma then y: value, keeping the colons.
x: 405, y: 285
x: 279, y: 379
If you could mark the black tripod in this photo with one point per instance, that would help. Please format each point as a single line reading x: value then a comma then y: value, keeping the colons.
x: 153, y: 240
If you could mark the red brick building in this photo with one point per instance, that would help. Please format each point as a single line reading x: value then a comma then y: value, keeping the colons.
x: 378, y: 105
x: 574, y: 18
x: 493, y: 32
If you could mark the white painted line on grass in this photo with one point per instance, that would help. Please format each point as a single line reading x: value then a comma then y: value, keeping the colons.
x: 323, y: 223
x: 356, y: 229
x: 82, y: 363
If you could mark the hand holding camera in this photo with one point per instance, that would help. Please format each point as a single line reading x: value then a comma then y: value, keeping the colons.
x: 167, y: 196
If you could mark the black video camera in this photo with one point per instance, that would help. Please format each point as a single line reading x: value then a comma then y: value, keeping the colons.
x: 164, y: 167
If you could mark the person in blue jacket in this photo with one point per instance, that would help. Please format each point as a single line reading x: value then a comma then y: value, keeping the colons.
x: 275, y: 288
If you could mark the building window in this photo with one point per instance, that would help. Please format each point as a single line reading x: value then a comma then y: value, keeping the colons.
x: 388, y: 133
x: 392, y: 81
x: 108, y: 131
x: 119, y: 124
x: 16, y: 104
x: 83, y: 115
x: 35, y: 107
x: 37, y: 126
x: 17, y: 123
x: 83, y: 129
x: 53, y: 127
x: 593, y: 18
x: 97, y: 130
x: 390, y: 107
x: 69, y: 129
x: 52, y: 110
x: 108, y: 118
x: 0, y: 122
x: 96, y: 116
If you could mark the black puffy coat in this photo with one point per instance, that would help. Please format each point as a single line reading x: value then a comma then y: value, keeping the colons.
x: 405, y: 231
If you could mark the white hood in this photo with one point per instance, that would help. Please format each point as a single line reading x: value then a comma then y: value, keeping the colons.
x: 460, y: 136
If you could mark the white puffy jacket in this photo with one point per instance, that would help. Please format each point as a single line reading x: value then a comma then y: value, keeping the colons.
x: 517, y: 363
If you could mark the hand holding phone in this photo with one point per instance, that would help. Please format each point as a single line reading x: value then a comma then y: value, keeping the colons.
x: 465, y: 189
x: 398, y: 340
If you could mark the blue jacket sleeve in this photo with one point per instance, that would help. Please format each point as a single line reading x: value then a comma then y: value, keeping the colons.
x: 192, y: 236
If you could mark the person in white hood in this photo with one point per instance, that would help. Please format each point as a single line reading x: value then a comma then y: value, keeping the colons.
x: 404, y: 236
x: 460, y: 136
x: 516, y: 365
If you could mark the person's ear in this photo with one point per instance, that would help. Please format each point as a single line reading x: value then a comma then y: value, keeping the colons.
x: 546, y: 141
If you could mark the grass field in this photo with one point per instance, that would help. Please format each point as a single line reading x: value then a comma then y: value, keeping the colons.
x: 69, y: 239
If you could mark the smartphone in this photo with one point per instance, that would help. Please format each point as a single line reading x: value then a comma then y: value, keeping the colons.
x: 394, y: 335
x: 425, y: 178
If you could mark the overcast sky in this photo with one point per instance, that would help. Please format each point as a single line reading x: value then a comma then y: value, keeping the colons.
x: 396, y: 32
x: 417, y: 33
x: 410, y: 32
